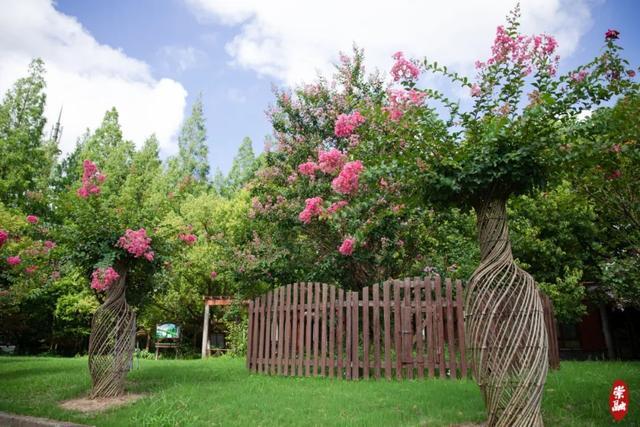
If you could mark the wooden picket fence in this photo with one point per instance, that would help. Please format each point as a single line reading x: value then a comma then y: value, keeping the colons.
x: 402, y: 328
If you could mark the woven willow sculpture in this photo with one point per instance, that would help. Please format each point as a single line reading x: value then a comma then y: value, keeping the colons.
x: 505, y: 327
x: 111, y: 343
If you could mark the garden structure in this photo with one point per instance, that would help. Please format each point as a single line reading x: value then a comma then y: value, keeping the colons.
x: 411, y: 328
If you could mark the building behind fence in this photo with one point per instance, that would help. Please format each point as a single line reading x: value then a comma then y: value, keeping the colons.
x: 411, y: 328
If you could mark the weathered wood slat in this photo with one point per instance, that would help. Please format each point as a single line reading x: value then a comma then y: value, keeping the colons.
x: 287, y: 330
x: 263, y: 300
x: 431, y: 342
x: 280, y: 326
x: 294, y: 330
x: 250, y: 335
x: 301, y: 328
x: 460, y: 324
x: 451, y: 339
x: 355, y: 354
x: 349, y: 347
x: 340, y: 334
x: 407, y: 330
x: 417, y: 296
x: 269, y: 334
x: 365, y: 332
x: 387, y: 329
x: 376, y: 329
x: 307, y: 370
x: 332, y: 337
x: 323, y: 331
x: 316, y: 327
x: 440, y: 326
x: 397, y: 328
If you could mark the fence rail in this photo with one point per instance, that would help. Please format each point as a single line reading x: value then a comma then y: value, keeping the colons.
x: 401, y: 328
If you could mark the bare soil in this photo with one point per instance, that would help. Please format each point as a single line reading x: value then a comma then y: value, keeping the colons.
x: 84, y: 404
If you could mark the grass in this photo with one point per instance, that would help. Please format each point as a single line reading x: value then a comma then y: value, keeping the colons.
x: 220, y: 391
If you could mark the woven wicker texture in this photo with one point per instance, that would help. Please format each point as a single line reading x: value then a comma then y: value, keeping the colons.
x: 505, y: 327
x: 111, y: 343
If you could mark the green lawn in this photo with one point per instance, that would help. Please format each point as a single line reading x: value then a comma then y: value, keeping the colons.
x: 221, y: 392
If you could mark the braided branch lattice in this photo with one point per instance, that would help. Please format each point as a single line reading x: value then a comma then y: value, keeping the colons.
x: 505, y: 327
x: 111, y: 343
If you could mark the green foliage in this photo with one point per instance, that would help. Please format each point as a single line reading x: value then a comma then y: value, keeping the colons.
x: 191, y: 161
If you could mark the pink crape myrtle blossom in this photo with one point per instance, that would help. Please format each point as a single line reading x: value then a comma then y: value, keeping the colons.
x: 49, y: 245
x: 4, y: 236
x: 335, y: 207
x: 403, y: 69
x: 32, y: 219
x: 213, y: 274
x: 308, y: 168
x: 579, y: 76
x: 611, y: 34
x: 313, y: 208
x: 149, y: 255
x: 331, y: 161
x: 400, y: 100
x: 91, y: 178
x: 31, y: 269
x: 475, y: 90
x: 13, y: 260
x: 347, y: 246
x: 347, y: 181
x: 103, y: 278
x: 137, y: 243
x: 189, y: 239
x: 347, y: 123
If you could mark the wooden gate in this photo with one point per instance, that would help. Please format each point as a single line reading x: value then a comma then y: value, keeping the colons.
x: 402, y: 328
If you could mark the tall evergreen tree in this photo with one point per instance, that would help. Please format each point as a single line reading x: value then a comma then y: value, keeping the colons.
x: 192, y: 155
x: 244, y: 166
x: 25, y: 158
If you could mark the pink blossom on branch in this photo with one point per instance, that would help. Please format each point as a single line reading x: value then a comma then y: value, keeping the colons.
x: 103, y: 278
x: 313, y: 208
x: 4, y: 236
x: 14, y: 260
x: 347, y: 181
x: 475, y: 90
x: 32, y: 219
x: 403, y: 69
x: 347, y: 123
x: 347, y: 246
x: 31, y: 269
x: 400, y: 100
x: 91, y: 178
x: 331, y: 161
x: 137, y: 243
x: 611, y: 34
x: 308, y: 168
x: 189, y: 239
x: 335, y: 207
x: 213, y: 275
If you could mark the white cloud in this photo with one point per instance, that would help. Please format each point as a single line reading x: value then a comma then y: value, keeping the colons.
x: 87, y: 77
x: 294, y: 40
x: 182, y: 58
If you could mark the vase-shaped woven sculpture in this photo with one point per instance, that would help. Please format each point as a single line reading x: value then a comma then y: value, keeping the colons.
x: 111, y: 343
x: 505, y: 327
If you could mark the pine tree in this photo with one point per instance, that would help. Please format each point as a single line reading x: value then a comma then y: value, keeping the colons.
x: 192, y: 155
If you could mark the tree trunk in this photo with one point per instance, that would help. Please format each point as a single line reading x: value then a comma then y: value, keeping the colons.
x: 505, y: 326
x: 111, y: 343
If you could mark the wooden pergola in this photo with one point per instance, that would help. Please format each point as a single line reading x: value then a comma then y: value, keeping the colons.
x: 208, y: 302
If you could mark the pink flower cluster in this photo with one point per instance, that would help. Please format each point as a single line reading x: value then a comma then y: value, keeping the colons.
x: 14, y: 260
x: 347, y: 123
x: 313, y: 208
x: 525, y: 51
x: 137, y: 243
x: 403, y: 69
x: 91, y: 178
x: 347, y: 246
x: 31, y: 269
x: 308, y: 168
x: 48, y: 244
x: 347, y: 181
x: 331, y: 161
x: 188, y: 238
x: 475, y: 90
x: 103, y: 278
x: 32, y: 219
x: 214, y: 274
x: 335, y: 207
x: 611, y: 34
x: 4, y: 236
x: 400, y: 100
x: 579, y: 76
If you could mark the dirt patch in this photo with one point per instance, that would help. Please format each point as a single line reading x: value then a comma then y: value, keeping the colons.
x: 84, y: 404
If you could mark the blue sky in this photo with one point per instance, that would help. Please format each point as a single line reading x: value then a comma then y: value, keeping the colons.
x: 151, y: 58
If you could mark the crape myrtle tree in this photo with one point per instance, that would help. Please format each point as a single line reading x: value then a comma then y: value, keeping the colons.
x: 362, y: 161
x: 109, y: 217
